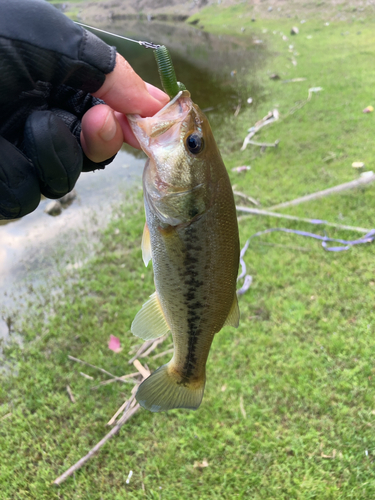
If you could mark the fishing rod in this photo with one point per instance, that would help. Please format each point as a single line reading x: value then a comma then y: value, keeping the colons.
x: 163, y: 60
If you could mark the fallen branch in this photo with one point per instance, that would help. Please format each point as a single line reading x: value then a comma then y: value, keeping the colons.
x: 293, y: 80
x: 265, y: 144
x: 257, y: 211
x: 97, y: 447
x: 124, y: 407
x: 129, y: 376
x: 238, y: 108
x: 96, y: 368
x: 153, y: 347
x: 242, y: 407
x: 70, y: 394
x: 246, y: 197
x: 271, y: 117
x: 160, y: 354
x: 130, y: 407
x: 142, y: 370
x: 361, y: 181
x: 300, y: 104
x: 142, y: 349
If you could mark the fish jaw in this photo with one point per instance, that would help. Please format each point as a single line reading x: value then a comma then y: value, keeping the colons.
x: 160, y: 135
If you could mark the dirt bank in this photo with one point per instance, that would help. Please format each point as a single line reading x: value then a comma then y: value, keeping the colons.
x: 178, y: 10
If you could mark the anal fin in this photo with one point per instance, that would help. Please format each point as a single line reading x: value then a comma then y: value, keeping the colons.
x: 233, y: 318
x: 150, y: 323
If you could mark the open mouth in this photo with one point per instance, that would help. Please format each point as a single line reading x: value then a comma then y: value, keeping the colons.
x: 160, y: 129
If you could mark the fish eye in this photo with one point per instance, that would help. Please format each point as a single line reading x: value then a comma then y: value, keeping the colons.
x: 195, y: 143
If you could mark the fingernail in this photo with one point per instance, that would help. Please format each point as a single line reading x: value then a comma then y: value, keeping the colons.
x: 109, y: 128
x: 157, y: 93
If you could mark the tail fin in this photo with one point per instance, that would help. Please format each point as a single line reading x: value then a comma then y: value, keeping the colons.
x: 163, y: 391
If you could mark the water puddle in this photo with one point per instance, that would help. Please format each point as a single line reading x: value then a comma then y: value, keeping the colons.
x: 36, y: 248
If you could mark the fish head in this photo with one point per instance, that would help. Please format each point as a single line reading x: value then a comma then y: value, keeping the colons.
x: 181, y: 148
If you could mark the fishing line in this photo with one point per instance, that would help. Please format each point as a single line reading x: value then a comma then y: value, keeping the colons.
x: 147, y: 45
x: 345, y: 245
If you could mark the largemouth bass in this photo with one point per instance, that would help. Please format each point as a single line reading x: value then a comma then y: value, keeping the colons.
x: 191, y: 235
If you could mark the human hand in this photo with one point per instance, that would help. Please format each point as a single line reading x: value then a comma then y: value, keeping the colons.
x: 105, y: 127
x: 54, y: 74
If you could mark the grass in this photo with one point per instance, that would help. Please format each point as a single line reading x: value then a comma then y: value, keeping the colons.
x: 302, y: 358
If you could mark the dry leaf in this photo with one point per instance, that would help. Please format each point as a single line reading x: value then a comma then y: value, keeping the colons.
x: 200, y: 465
x: 329, y: 456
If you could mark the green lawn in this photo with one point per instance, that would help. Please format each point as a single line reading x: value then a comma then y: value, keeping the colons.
x: 301, y: 362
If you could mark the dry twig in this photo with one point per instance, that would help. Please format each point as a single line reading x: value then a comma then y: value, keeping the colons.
x: 70, y: 394
x: 238, y: 108
x: 362, y: 180
x: 160, y: 354
x: 129, y: 403
x: 153, y: 346
x: 129, y: 376
x: 96, y: 368
x: 97, y: 447
x: 142, y: 370
x: 246, y: 197
x: 142, y: 349
x: 265, y: 144
x: 257, y: 211
x: 128, y: 409
x: 271, y: 117
x: 242, y: 408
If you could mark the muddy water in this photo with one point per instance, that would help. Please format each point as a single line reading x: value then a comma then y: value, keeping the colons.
x: 211, y: 67
x: 40, y: 246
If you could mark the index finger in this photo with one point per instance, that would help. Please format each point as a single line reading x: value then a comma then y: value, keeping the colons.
x: 126, y: 92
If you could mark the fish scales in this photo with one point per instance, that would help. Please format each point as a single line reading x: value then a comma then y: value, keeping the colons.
x: 193, y: 237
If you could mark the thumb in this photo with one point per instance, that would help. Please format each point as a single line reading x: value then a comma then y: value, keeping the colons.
x: 126, y: 92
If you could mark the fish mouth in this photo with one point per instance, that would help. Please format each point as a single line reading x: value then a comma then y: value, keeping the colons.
x: 163, y: 130
x: 182, y: 193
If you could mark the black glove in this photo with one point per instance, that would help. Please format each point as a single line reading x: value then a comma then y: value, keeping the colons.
x: 48, y: 67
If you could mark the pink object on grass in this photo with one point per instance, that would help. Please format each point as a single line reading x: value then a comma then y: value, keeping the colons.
x: 114, y: 344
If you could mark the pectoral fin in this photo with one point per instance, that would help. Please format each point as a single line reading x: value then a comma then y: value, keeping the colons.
x: 233, y: 318
x: 150, y: 323
x: 146, y: 245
